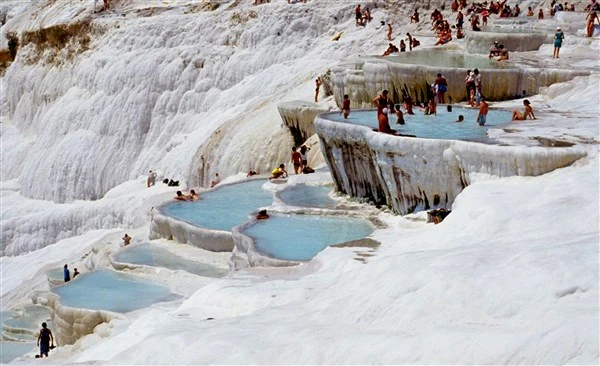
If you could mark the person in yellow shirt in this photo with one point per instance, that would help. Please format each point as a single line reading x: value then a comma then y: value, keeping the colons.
x: 279, y: 172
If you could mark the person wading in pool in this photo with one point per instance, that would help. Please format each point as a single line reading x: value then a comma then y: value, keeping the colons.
x: 66, y: 273
x: 382, y: 102
x: 43, y: 340
x: 483, y: 111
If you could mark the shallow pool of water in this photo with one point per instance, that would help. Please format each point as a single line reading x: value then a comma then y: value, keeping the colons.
x: 112, y: 291
x: 29, y: 317
x: 223, y: 208
x: 441, y: 58
x: 12, y: 350
x: 301, y: 237
x: 440, y: 126
x: 304, y: 195
x: 150, y: 255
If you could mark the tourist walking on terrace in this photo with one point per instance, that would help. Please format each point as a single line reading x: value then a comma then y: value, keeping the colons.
x: 558, y: 38
x: 358, y: 15
x: 43, y: 340
x: 591, y: 18
x: 66, y: 273
x: 151, y: 179
x: 389, y: 33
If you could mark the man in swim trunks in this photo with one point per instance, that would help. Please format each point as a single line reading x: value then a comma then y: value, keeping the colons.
x: 483, y: 111
x: 358, y: 15
x: 346, y: 106
x: 318, y: 83
x: 296, y: 160
x: 43, y: 340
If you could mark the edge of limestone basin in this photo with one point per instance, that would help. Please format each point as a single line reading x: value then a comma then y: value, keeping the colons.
x: 162, y: 226
x: 298, y: 116
x: 70, y: 324
x: 246, y: 254
x: 408, y: 174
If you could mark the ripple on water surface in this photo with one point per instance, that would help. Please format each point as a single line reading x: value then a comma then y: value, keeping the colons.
x: 301, y: 237
x: 112, y: 291
x: 223, y: 208
x: 440, y: 126
x: 304, y: 195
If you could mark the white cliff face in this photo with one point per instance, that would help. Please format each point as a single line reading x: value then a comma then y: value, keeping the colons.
x: 148, y: 94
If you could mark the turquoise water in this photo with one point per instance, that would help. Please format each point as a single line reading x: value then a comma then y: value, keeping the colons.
x: 442, y: 58
x: 301, y: 237
x: 150, y: 255
x: 440, y: 126
x: 30, y: 318
x: 223, y: 208
x: 109, y: 290
x: 11, y: 350
x: 304, y: 195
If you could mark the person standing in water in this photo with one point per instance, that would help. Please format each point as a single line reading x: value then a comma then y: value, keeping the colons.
x: 558, y: 38
x: 483, y: 111
x: 66, y: 273
x: 44, y: 338
x: 346, y: 106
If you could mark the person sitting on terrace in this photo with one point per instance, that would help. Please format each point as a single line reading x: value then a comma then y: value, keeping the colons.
x: 415, y: 17
x: 391, y: 49
x: 518, y: 116
x: 384, y: 124
x: 503, y: 53
x: 459, y: 33
x: 366, y: 16
x: 279, y: 172
x: 251, y: 173
x: 262, y: 215
x: 494, y: 50
x: 445, y: 37
x: 402, y: 46
x: 530, y: 11
x: 415, y: 43
x: 475, y: 23
x: 180, y: 197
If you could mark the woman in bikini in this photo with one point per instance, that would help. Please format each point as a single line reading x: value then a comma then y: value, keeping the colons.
x: 518, y: 116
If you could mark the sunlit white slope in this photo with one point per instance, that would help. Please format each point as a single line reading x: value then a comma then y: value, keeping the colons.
x: 150, y: 91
